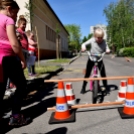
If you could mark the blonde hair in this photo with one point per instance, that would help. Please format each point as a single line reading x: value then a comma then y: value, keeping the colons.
x: 11, y: 3
x: 98, y: 32
x: 21, y: 19
x: 28, y: 32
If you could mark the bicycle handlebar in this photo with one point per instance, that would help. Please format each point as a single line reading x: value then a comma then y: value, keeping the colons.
x: 96, y: 55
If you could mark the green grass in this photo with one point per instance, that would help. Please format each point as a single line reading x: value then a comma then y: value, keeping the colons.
x: 60, y: 61
x: 42, y: 69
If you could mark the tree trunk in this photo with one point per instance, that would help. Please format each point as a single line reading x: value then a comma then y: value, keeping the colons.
x: 38, y: 46
x: 57, y: 48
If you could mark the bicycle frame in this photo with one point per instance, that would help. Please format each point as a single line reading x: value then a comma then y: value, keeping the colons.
x: 94, y: 74
x: 94, y: 69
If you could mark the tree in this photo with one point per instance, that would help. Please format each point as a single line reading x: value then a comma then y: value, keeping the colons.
x: 58, y: 53
x: 120, y: 18
x: 30, y: 8
x: 74, y: 38
x: 84, y: 39
x: 87, y: 38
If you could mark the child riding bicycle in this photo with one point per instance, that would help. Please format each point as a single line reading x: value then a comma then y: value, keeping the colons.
x: 98, y: 46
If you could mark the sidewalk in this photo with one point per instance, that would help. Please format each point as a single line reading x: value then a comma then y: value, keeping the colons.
x: 33, y: 80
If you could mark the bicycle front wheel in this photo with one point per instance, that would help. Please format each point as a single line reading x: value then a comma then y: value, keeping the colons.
x: 95, y: 91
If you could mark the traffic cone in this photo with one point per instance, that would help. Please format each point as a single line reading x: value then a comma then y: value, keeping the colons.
x: 122, y: 91
x: 128, y: 110
x: 70, y: 94
x: 62, y: 114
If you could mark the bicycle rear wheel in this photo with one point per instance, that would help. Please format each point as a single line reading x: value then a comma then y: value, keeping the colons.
x: 95, y: 91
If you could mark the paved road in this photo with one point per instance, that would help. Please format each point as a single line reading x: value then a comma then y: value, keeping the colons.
x: 88, y: 121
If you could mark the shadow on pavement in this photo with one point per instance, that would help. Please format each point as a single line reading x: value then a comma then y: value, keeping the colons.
x: 38, y: 109
x: 62, y: 130
x: 36, y: 91
x: 112, y: 87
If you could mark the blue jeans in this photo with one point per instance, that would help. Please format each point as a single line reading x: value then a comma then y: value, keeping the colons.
x: 31, y: 69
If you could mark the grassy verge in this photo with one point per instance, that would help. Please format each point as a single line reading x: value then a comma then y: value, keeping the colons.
x: 59, y: 61
x: 42, y: 70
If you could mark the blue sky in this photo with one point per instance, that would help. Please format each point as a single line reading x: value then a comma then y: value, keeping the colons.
x: 84, y: 13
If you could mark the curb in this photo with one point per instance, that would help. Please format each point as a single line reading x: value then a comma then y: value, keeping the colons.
x: 73, y: 59
x: 10, y: 93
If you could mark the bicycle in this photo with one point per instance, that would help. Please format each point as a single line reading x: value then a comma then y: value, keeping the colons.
x: 95, y: 84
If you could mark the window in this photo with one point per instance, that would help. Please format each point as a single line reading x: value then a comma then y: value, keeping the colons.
x: 50, y: 34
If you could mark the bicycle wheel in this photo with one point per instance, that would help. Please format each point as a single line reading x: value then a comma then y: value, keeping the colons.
x: 95, y: 91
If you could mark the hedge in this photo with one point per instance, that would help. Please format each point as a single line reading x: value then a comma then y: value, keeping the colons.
x: 128, y: 51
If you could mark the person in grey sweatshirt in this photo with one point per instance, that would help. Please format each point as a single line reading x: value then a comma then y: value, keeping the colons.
x: 98, y: 46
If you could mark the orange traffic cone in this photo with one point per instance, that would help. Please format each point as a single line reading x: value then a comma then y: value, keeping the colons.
x: 62, y: 114
x: 70, y: 94
x: 128, y: 110
x: 122, y: 91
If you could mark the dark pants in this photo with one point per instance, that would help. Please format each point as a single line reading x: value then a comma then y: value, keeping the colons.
x: 89, y: 67
x: 12, y: 69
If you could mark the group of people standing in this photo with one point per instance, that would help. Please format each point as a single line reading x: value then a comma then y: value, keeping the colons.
x: 18, y: 50
x: 29, y: 47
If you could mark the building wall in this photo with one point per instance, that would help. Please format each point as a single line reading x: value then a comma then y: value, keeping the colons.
x: 45, y: 22
x: 23, y: 10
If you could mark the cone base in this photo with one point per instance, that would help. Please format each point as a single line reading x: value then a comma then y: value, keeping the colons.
x: 52, y: 120
x: 123, y: 115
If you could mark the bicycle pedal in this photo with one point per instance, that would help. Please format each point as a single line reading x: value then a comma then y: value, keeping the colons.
x: 99, y: 93
x: 103, y: 88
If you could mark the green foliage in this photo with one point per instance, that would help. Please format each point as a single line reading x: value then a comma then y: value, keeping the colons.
x: 42, y: 69
x: 30, y: 14
x: 74, y: 36
x: 120, y: 18
x: 86, y: 38
x: 63, y: 60
x: 57, y: 30
x: 89, y: 36
x: 128, y: 52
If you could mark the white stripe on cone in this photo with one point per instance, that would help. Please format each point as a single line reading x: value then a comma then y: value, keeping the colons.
x: 122, y: 90
x: 72, y: 102
x: 60, y: 93
x: 69, y: 92
x: 130, y: 88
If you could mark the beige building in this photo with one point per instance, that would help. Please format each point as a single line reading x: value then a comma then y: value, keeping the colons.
x: 46, y: 22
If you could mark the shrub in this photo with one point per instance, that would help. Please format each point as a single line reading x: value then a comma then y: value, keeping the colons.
x: 128, y: 51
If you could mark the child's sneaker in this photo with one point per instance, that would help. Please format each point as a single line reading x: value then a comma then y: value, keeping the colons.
x: 19, y: 120
x: 30, y: 74
x: 8, y: 92
x: 34, y: 74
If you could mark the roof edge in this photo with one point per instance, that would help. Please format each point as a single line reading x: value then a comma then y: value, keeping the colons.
x: 55, y: 15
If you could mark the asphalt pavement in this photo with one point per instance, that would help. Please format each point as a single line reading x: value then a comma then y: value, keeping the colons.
x: 88, y: 121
